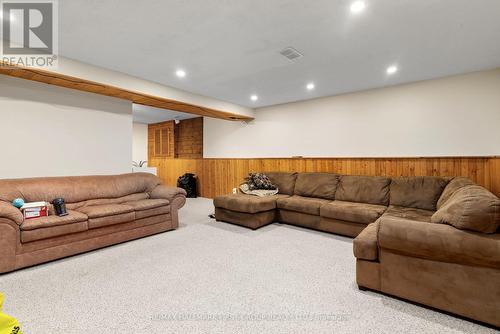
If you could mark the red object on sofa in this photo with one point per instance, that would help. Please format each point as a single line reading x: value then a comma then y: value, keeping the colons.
x: 35, y: 210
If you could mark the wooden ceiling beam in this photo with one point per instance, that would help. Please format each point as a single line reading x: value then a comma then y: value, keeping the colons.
x: 84, y: 85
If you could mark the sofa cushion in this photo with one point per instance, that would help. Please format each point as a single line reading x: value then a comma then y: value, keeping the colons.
x: 284, y: 181
x: 301, y: 204
x: 53, y: 226
x: 162, y: 210
x: 455, y: 184
x: 52, y: 232
x: 342, y: 227
x: 439, y: 242
x: 98, y: 211
x: 420, y: 215
x: 364, y: 189
x: 110, y: 214
x: 147, y: 204
x: 247, y: 203
x: 360, y: 213
x: 121, y: 218
x: 319, y: 185
x: 471, y: 208
x: 365, y: 245
x: 106, y: 201
x: 149, y: 207
x: 300, y: 219
x: 53, y: 220
x: 421, y: 192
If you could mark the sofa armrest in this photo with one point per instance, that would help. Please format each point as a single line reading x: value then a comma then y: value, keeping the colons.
x: 365, y: 245
x: 8, y: 211
x: 9, y: 240
x: 166, y: 192
x: 439, y: 242
x: 176, y: 197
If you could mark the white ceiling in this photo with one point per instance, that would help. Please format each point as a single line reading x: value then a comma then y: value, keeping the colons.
x: 151, y: 115
x: 230, y: 49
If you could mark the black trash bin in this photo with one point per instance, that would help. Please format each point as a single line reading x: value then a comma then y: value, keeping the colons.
x: 188, y: 183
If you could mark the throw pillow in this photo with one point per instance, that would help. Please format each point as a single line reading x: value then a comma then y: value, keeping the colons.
x: 471, y: 208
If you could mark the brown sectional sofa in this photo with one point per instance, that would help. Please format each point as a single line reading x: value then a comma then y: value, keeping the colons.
x: 431, y: 240
x: 334, y: 203
x: 103, y: 210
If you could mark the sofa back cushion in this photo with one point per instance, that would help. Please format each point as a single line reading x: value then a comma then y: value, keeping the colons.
x: 453, y: 185
x: 284, y: 181
x: 470, y: 208
x: 364, y: 189
x: 108, y: 201
x: 319, y: 185
x: 421, y: 192
x: 77, y: 188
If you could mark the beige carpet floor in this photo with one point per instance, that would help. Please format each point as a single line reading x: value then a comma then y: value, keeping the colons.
x: 212, y: 277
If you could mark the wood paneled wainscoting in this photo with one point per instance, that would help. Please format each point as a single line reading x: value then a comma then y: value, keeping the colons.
x: 220, y: 176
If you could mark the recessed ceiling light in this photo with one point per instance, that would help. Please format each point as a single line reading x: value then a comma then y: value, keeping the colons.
x: 310, y: 86
x: 180, y: 73
x: 254, y: 97
x: 392, y: 69
x: 357, y: 7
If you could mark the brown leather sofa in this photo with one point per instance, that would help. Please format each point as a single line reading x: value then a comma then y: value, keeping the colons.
x: 432, y: 240
x: 103, y: 210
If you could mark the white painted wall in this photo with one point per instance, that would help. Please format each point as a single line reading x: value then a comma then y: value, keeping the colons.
x: 51, y: 131
x: 455, y: 116
x: 140, y: 142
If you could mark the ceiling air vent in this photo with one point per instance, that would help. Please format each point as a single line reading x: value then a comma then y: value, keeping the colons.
x: 291, y: 53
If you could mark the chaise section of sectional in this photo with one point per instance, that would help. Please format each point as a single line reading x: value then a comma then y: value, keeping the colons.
x: 252, y: 211
x: 247, y: 210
